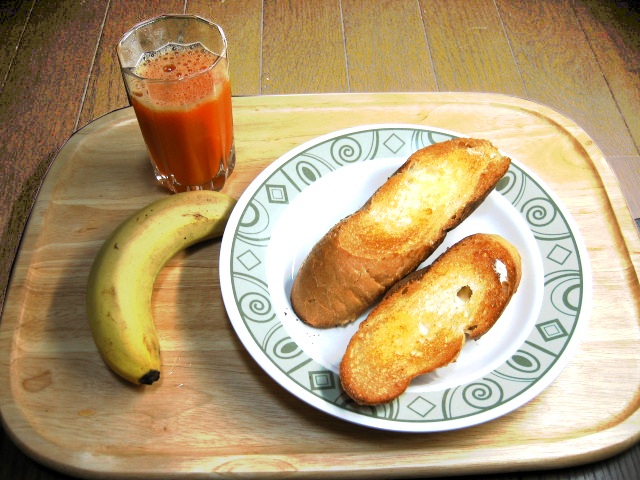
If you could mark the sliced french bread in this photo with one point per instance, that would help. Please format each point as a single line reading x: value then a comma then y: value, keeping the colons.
x: 422, y: 323
x: 404, y: 221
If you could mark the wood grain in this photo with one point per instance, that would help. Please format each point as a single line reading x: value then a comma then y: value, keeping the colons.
x: 31, y: 92
x: 48, y: 354
x: 303, y: 47
x: 558, y: 69
x: 105, y: 89
x: 470, y: 49
x: 612, y: 32
x: 13, y: 18
x: 380, y: 46
x: 242, y: 24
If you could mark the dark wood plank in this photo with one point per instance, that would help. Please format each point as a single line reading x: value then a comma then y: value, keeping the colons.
x: 558, y: 69
x: 56, y: 50
x: 386, y: 51
x: 105, y: 91
x: 242, y: 24
x: 303, y: 47
x: 14, y: 15
x: 613, y: 32
x: 469, y: 47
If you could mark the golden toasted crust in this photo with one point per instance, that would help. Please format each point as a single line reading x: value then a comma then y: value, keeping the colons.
x: 422, y: 323
x: 404, y: 221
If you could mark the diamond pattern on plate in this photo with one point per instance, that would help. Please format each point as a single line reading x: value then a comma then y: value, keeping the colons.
x: 551, y: 330
x: 248, y: 260
x: 277, y: 193
x: 394, y: 143
x: 421, y: 406
x: 321, y: 380
x: 559, y: 254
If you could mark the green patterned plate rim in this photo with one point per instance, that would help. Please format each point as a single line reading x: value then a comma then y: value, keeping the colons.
x: 295, y: 200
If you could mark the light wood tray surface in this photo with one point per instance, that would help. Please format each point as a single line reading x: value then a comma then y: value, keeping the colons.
x: 214, y: 409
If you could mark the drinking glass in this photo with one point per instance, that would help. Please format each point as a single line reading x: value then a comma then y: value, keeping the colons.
x: 176, y: 72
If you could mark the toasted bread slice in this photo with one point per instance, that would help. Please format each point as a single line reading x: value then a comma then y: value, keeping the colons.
x: 422, y: 323
x: 404, y: 221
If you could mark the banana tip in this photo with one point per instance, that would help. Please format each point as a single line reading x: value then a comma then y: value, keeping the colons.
x: 149, y: 377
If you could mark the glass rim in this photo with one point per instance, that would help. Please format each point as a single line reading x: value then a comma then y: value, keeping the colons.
x: 186, y: 16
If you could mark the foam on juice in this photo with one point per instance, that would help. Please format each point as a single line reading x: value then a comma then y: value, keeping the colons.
x: 183, y: 73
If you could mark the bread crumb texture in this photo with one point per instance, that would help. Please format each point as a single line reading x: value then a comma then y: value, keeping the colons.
x: 424, y: 321
x: 402, y: 223
x: 421, y: 198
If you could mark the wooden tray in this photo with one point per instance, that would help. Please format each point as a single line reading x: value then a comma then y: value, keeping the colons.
x: 215, y: 411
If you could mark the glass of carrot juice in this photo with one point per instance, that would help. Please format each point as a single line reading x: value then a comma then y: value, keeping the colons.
x: 176, y: 73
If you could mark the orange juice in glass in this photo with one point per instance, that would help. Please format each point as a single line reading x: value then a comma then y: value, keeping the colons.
x: 176, y: 72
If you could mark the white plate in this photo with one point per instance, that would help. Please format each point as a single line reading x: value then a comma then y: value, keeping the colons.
x: 291, y: 204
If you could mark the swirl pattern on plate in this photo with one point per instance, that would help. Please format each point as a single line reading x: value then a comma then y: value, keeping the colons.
x: 560, y: 315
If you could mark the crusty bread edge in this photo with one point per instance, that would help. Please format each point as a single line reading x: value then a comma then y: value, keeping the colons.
x: 330, y: 319
x: 514, y: 268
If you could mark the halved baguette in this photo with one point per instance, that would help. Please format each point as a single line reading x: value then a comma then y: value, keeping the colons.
x: 404, y: 221
x: 422, y: 323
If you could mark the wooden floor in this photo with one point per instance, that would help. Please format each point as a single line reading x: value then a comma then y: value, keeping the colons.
x: 58, y: 72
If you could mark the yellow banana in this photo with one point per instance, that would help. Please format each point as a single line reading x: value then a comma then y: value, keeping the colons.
x: 120, y: 285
